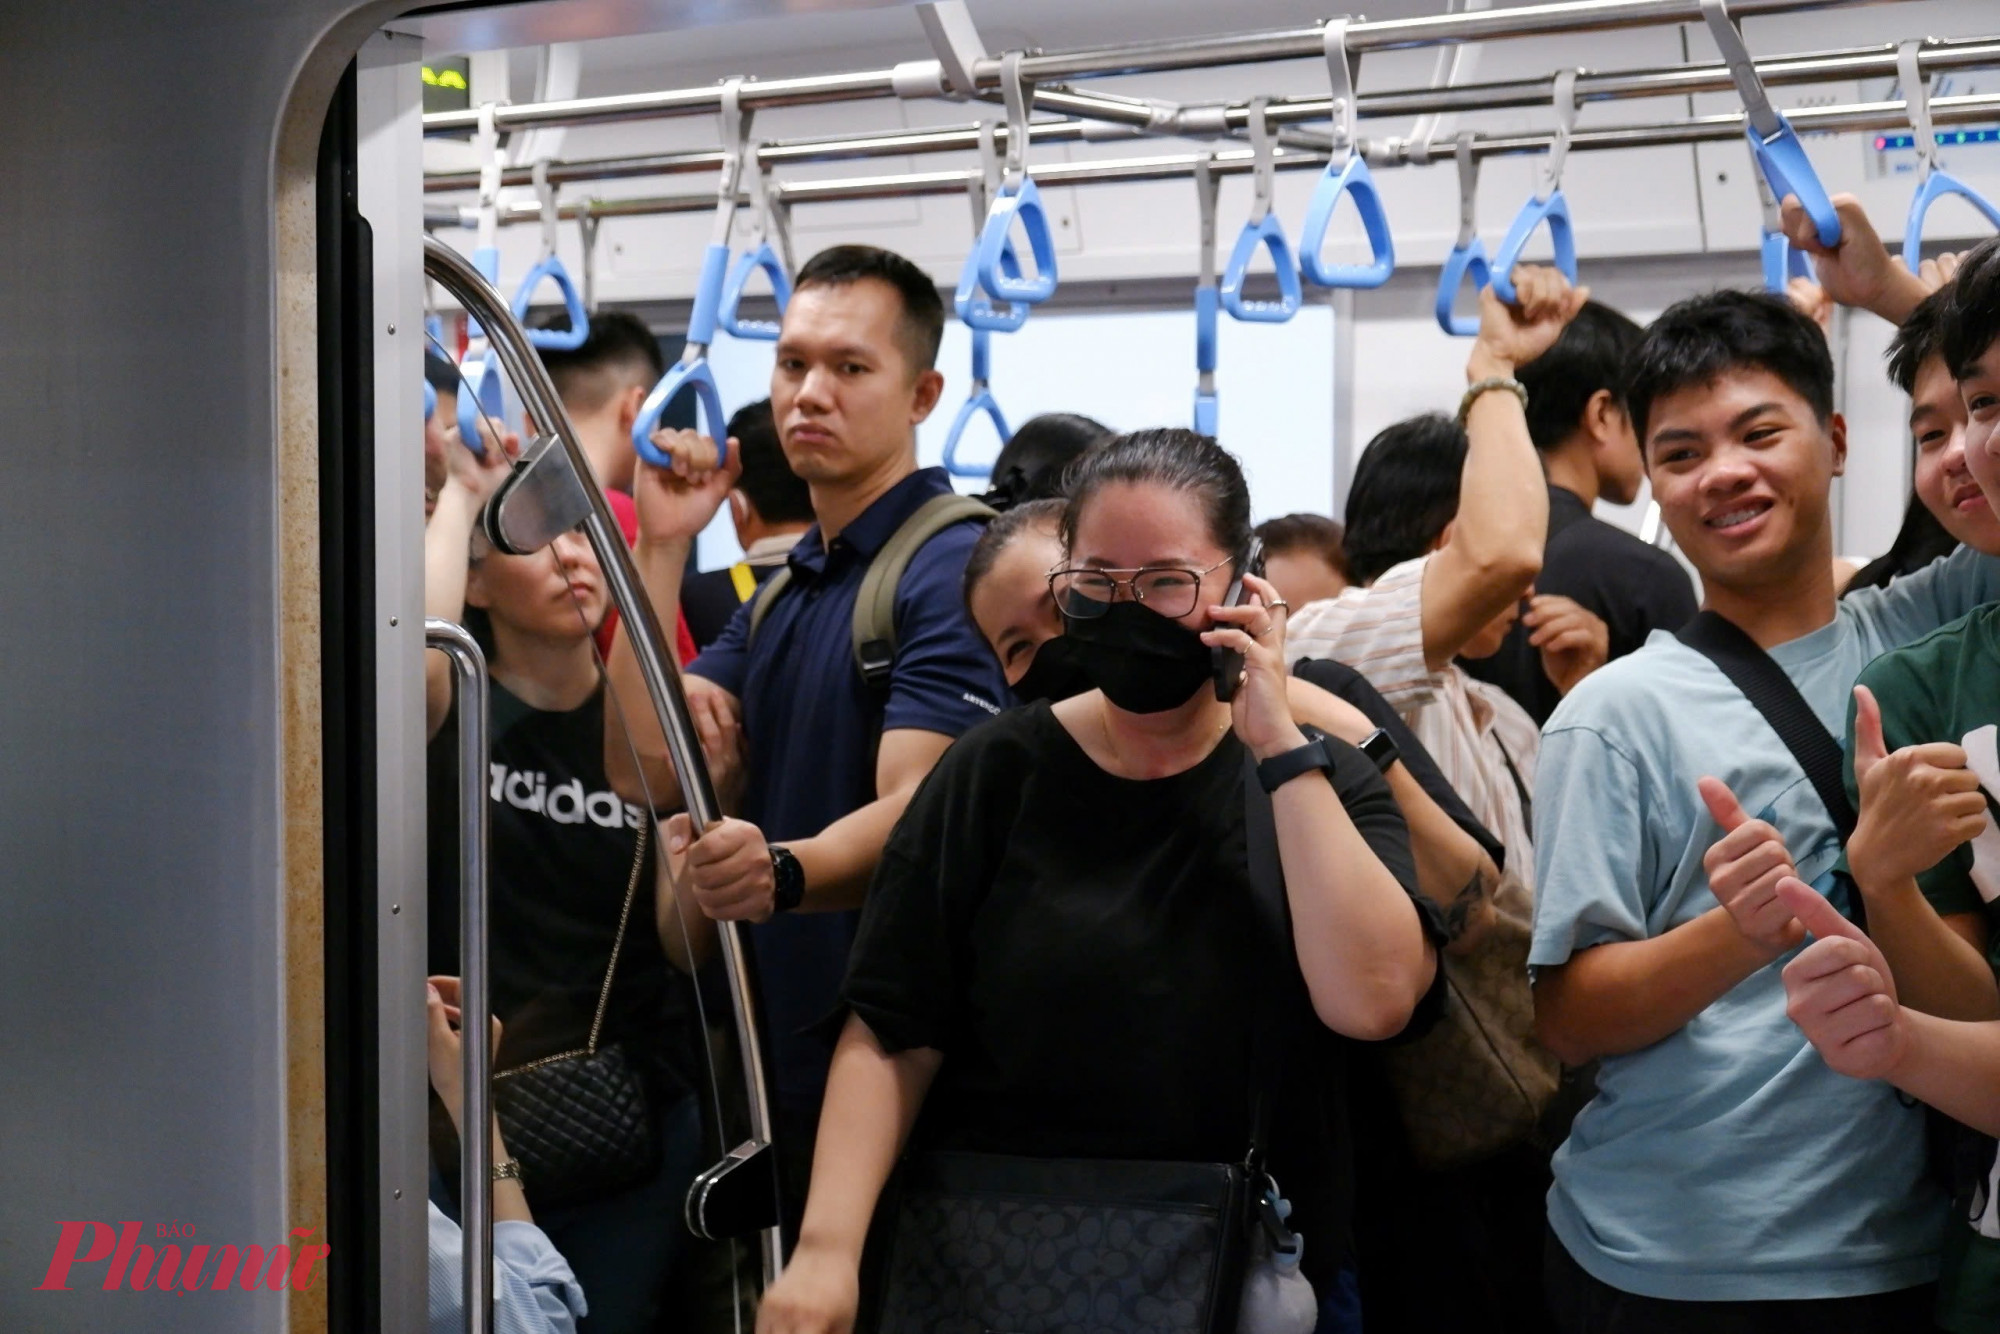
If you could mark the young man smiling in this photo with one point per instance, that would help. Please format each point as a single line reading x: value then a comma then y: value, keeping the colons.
x: 1724, y: 1178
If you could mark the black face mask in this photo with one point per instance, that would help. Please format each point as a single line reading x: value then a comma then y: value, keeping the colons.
x: 1054, y: 674
x: 1143, y: 662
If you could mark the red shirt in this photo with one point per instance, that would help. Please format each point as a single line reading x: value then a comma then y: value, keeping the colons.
x: 627, y: 513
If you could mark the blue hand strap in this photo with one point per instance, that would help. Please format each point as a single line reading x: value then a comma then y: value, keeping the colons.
x: 430, y: 400
x: 766, y: 258
x: 486, y: 259
x: 563, y: 340
x: 708, y: 294
x: 1782, y: 263
x: 1464, y: 261
x: 1207, y: 303
x: 972, y: 304
x: 1935, y: 187
x: 995, y: 245
x: 1355, y: 180
x: 1207, y: 413
x: 480, y: 393
x: 1554, y: 211
x: 694, y: 375
x: 1269, y: 234
x: 979, y: 402
x: 1783, y: 161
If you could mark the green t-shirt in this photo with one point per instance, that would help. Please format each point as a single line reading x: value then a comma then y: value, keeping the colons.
x: 1946, y: 687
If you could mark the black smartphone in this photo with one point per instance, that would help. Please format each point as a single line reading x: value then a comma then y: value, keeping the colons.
x: 1228, y: 662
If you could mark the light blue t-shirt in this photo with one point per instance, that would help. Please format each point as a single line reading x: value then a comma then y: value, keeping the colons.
x: 1725, y: 1162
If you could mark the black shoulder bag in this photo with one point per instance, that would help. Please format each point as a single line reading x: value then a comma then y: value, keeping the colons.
x: 1751, y: 670
x: 998, y: 1242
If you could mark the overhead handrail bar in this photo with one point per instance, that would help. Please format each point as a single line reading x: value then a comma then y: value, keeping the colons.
x: 982, y: 317
x: 1782, y: 260
x: 1781, y: 158
x: 1018, y: 197
x: 1547, y: 206
x: 481, y: 394
x: 1468, y: 252
x: 1933, y: 181
x: 925, y: 78
x: 1346, y: 175
x: 475, y: 1005
x: 1207, y: 304
x: 692, y: 371
x: 549, y: 268
x: 1264, y: 231
x: 1855, y: 117
x: 456, y: 274
x: 767, y: 220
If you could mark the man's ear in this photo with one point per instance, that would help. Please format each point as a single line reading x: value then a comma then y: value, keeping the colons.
x: 1836, y: 431
x: 929, y: 388
x: 1603, y: 418
x: 475, y: 586
x: 741, y: 511
x: 630, y: 400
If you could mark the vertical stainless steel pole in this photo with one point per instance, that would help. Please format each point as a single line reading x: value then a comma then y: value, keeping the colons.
x: 475, y: 1122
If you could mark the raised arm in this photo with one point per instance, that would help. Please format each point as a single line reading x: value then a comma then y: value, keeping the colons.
x: 1860, y: 270
x: 470, y: 482
x: 1494, y: 550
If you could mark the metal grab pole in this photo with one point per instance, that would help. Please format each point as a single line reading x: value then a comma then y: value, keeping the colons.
x: 530, y: 378
x: 475, y: 1120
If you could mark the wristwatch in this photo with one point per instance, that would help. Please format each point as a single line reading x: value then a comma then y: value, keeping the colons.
x: 1380, y: 747
x: 510, y: 1170
x: 790, y: 878
x: 1279, y: 770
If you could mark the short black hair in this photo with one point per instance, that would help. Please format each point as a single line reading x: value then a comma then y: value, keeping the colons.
x: 922, y: 326
x: 1593, y: 352
x: 1972, y: 318
x: 1173, y: 457
x: 1405, y: 491
x: 620, y: 351
x: 1000, y: 534
x: 1696, y: 341
x: 1032, y: 462
x: 1314, y: 534
x: 780, y: 495
x: 1918, y: 338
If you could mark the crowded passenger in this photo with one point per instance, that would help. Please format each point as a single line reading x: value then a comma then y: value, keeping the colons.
x: 1056, y: 958
x: 770, y: 508
x: 835, y: 734
x: 1583, y: 433
x: 1303, y: 557
x: 1670, y: 810
x: 1031, y: 464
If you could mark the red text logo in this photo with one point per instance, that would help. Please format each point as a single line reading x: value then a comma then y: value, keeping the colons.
x: 137, y: 1265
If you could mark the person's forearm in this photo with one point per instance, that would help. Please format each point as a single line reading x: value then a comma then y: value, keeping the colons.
x: 1360, y: 943
x: 651, y: 778
x: 872, y: 1099
x: 839, y: 861
x: 510, y: 1201
x: 1953, y: 1066
x: 1503, y: 508
x: 1619, y: 997
x: 1453, y: 871
x: 1937, y: 970
x: 447, y: 558
x: 1902, y: 293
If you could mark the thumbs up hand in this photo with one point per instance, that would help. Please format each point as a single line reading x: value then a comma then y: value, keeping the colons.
x: 1744, y: 867
x: 1840, y: 991
x: 1917, y: 804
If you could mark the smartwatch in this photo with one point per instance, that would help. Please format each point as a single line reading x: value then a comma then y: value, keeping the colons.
x: 1380, y: 747
x: 790, y: 878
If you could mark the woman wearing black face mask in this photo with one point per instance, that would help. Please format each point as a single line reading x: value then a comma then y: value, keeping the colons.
x: 1059, y: 956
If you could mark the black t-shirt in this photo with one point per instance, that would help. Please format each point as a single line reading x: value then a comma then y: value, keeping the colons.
x: 561, y: 847
x: 1086, y: 952
x: 1337, y: 678
x: 1636, y: 587
x: 709, y: 598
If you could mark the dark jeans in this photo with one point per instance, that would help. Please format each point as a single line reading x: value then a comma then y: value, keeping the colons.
x: 1583, y: 1305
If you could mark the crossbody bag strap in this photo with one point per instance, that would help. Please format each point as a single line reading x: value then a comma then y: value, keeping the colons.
x: 874, y: 626
x: 760, y: 606
x: 1771, y: 692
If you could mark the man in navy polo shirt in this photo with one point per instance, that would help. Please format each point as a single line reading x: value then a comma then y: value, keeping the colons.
x: 829, y: 761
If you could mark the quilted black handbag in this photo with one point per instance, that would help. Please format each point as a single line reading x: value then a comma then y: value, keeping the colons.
x: 969, y: 1243
x: 580, y: 1122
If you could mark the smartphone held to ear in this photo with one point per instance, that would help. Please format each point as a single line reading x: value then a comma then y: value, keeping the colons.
x: 1229, y: 662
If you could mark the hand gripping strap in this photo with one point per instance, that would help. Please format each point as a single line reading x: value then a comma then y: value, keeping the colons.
x: 563, y: 340
x: 766, y: 258
x: 1268, y: 233
x: 480, y: 392
x: 1554, y: 211
x: 687, y: 374
x: 1463, y: 262
x: 1352, y: 178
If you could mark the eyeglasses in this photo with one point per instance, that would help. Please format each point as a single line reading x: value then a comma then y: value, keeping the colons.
x: 1087, y: 593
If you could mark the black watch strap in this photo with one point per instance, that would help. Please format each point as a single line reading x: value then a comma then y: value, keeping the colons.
x: 790, y: 878
x: 1279, y: 770
x: 1380, y: 747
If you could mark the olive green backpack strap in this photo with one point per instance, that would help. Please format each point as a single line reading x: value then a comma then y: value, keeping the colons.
x: 760, y: 606
x: 875, y: 606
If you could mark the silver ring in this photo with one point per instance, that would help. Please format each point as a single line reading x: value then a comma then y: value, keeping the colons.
x: 1276, y: 603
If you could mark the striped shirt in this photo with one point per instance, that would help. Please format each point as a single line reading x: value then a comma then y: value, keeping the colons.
x: 1482, y: 740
